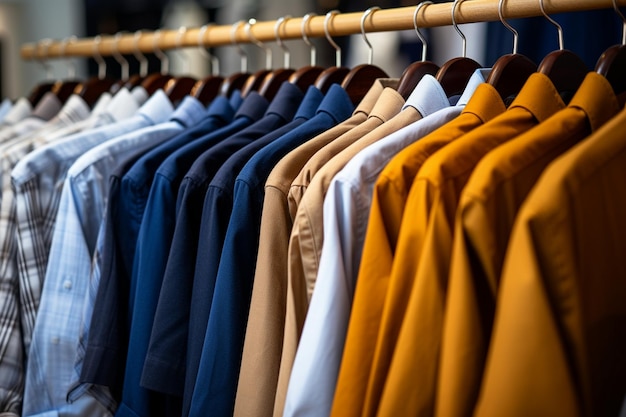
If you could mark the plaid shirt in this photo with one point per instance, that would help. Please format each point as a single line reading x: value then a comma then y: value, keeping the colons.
x: 53, y: 350
x: 27, y: 215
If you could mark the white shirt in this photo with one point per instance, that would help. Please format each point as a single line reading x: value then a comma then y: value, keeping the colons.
x: 346, y: 211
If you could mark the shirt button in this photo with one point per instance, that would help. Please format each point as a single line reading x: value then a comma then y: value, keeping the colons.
x: 55, y: 340
x: 67, y: 285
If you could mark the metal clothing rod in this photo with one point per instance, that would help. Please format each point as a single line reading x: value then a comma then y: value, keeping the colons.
x: 468, y: 11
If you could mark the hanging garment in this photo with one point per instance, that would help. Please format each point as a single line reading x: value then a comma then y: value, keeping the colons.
x: 427, y: 231
x: 218, y: 205
x: 388, y: 201
x: 558, y: 344
x: 487, y: 210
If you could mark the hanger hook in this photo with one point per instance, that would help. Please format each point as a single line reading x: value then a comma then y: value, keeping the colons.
x: 508, y: 26
x: 215, y: 63
x: 456, y: 27
x: 267, y: 49
x: 305, y: 37
x: 43, y: 56
x: 417, y: 30
x: 233, y: 39
x: 143, y: 61
x: 279, y: 41
x: 621, y: 15
x: 555, y: 23
x: 330, y: 40
x: 102, y: 66
x: 369, y: 45
x: 179, y: 45
x: 165, y: 61
x: 71, y: 67
x: 119, y: 57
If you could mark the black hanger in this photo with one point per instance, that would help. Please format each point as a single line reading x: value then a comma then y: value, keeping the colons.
x: 360, y: 78
x: 336, y: 74
x: 416, y: 71
x: 612, y: 63
x: 564, y: 68
x: 455, y: 73
x: 510, y: 72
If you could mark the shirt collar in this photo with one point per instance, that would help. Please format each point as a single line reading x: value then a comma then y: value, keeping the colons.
x: 20, y: 110
x: 189, y: 111
x: 596, y: 98
x: 336, y: 104
x: 539, y: 96
x: 5, y: 107
x: 220, y: 108
x: 485, y: 103
x: 236, y: 100
x: 384, y: 109
x: 478, y: 77
x: 253, y: 106
x: 428, y: 96
x: 122, y: 105
x: 48, y: 107
x: 140, y: 95
x: 367, y: 103
x: 74, y: 110
x: 157, y: 109
x: 310, y: 103
x: 102, y: 104
x: 285, y: 103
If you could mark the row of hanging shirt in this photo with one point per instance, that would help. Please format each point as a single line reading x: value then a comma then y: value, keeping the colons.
x: 303, y: 257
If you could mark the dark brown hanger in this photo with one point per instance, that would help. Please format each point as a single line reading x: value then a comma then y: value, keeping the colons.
x: 455, y: 73
x: 336, y: 74
x: 62, y: 89
x: 237, y: 80
x: 510, y: 72
x: 306, y: 76
x: 564, y: 68
x: 360, y: 78
x: 94, y: 87
x: 416, y: 71
x: 612, y: 63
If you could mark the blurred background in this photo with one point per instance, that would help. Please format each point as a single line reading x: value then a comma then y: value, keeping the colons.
x: 23, y: 21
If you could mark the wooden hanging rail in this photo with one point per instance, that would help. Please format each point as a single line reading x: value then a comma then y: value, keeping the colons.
x: 468, y: 11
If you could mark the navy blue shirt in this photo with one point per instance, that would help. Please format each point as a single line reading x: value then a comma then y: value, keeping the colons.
x: 153, y: 244
x: 216, y: 210
x: 216, y: 382
x: 164, y: 368
x: 105, y: 355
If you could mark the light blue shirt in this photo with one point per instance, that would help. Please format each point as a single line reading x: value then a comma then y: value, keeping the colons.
x: 51, y: 366
x: 5, y: 107
x: 346, y: 212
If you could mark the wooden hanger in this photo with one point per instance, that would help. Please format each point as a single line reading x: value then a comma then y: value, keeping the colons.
x: 415, y: 71
x: 42, y: 88
x: 305, y: 76
x: 273, y: 80
x: 206, y: 89
x: 455, y: 73
x: 178, y: 88
x: 336, y: 74
x: 510, y: 72
x: 93, y: 88
x: 237, y: 80
x: 564, y: 68
x: 63, y: 89
x: 359, y: 80
x: 612, y: 63
x: 157, y: 80
x: 255, y: 81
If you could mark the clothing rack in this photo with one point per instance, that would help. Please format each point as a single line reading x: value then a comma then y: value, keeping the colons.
x: 469, y: 11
